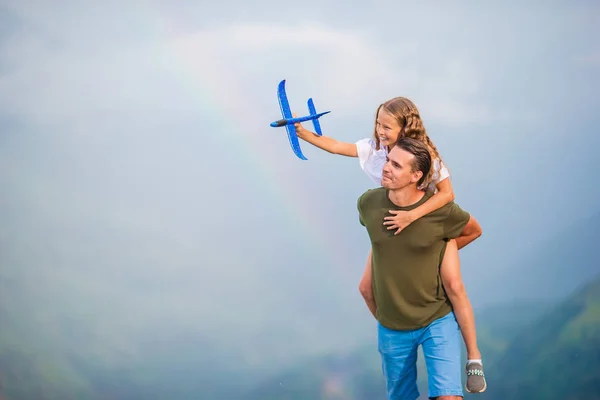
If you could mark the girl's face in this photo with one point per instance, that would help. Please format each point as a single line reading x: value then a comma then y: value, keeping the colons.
x: 387, y: 128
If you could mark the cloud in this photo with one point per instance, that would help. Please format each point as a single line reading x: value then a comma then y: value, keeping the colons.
x: 238, y: 66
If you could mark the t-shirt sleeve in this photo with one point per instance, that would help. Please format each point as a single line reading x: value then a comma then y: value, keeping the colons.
x: 441, y: 172
x: 359, y: 204
x: 364, y: 149
x: 455, y: 222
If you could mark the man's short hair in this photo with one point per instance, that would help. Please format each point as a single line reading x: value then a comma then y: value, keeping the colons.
x: 422, y: 160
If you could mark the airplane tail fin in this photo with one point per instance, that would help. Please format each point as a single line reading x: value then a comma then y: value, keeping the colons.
x: 313, y: 111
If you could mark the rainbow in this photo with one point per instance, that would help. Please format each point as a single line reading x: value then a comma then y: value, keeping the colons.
x: 218, y: 91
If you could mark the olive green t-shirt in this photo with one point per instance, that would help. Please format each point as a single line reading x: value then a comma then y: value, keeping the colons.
x: 405, y: 267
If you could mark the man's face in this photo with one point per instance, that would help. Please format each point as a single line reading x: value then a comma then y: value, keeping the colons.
x: 397, y: 171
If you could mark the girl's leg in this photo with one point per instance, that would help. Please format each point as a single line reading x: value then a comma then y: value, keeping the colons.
x: 453, y: 284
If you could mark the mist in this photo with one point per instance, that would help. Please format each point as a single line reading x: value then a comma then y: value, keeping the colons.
x: 147, y: 204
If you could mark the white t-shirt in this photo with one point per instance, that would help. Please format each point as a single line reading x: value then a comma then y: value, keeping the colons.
x: 372, y: 161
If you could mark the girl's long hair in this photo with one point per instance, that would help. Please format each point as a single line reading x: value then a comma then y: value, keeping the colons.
x: 411, y: 125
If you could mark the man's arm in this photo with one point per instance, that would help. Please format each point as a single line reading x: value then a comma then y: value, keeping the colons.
x: 366, y: 283
x: 366, y: 286
x: 471, y: 232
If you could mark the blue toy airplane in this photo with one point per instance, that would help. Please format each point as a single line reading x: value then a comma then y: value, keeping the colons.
x: 288, y: 121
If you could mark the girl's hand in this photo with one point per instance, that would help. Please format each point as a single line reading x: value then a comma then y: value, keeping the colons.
x: 398, y: 220
x: 300, y: 130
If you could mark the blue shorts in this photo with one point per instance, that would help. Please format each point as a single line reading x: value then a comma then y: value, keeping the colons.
x: 441, y: 342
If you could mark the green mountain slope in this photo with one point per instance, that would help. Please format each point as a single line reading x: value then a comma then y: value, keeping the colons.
x: 358, y: 376
x: 532, y: 351
x: 557, y: 356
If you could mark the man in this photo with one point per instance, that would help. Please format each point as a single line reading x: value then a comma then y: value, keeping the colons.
x: 412, y: 308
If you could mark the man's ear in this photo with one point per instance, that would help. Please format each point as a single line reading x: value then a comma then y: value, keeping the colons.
x: 416, y: 176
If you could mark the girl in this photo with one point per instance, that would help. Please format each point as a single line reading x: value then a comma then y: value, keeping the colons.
x: 396, y: 118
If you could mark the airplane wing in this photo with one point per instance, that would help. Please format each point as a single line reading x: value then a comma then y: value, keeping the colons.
x: 283, y: 101
x: 287, y: 113
x: 312, y: 110
x: 293, y: 137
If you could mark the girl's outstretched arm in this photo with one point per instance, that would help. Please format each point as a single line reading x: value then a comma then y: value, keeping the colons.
x: 401, y: 219
x: 326, y: 143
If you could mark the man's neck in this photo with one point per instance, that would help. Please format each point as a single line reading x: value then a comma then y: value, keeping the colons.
x: 406, y: 196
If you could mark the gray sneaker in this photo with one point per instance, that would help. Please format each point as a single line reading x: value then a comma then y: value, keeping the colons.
x: 475, y: 378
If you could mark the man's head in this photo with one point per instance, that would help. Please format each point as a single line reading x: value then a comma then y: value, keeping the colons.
x: 408, y: 163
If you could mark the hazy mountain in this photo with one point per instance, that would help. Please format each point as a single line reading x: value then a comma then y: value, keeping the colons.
x: 109, y: 286
x: 532, y: 351
x: 557, y: 356
x: 358, y: 376
x: 79, y: 321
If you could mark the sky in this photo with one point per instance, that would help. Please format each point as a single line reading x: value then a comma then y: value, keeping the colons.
x: 143, y: 186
